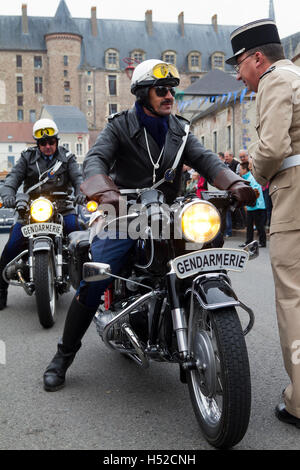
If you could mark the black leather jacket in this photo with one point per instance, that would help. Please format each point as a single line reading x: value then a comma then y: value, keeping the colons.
x: 31, y: 165
x: 121, y: 152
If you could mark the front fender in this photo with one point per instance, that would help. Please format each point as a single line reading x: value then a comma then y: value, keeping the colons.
x: 42, y: 244
x: 214, y: 291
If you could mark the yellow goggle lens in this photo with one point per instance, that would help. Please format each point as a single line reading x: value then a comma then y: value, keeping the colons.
x: 200, y: 222
x: 46, y: 132
x: 41, y: 210
x: 163, y: 70
x: 92, y: 206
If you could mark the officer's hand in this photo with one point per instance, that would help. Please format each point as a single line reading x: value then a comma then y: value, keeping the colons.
x: 80, y: 199
x: 243, y: 194
x: 9, y: 202
x: 115, y: 199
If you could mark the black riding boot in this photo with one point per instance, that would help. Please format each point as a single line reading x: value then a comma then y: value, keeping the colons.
x: 77, y: 322
x: 3, y: 285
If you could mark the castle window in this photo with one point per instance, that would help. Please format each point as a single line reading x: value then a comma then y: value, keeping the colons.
x: 66, y: 60
x: 194, y: 78
x: 19, y: 85
x: 194, y: 61
x: 112, y: 108
x: 32, y: 115
x: 112, y: 85
x: 38, y: 85
x: 67, y: 86
x: 138, y: 56
x: 19, y: 61
x: 20, y: 100
x: 67, y: 98
x: 217, y: 60
x: 20, y: 114
x: 170, y: 57
x: 38, y: 62
x: 111, y: 59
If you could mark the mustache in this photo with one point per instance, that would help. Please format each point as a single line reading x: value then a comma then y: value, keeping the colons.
x: 167, y: 101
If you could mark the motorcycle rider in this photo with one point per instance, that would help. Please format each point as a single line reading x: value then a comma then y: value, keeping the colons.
x: 33, y: 162
x: 137, y: 148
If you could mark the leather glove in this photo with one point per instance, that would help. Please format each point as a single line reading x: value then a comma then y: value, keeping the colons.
x: 9, y: 201
x: 103, y: 190
x: 240, y: 188
x: 80, y: 199
x: 243, y: 193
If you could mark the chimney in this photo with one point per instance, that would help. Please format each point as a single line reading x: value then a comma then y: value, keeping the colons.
x: 24, y: 19
x: 148, y: 19
x: 94, y: 21
x: 214, y: 22
x: 181, y: 23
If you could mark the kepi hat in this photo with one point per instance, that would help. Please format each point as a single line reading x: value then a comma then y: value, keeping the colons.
x: 252, y: 35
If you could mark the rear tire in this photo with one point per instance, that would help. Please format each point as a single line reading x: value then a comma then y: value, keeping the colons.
x: 45, y: 290
x: 220, y: 386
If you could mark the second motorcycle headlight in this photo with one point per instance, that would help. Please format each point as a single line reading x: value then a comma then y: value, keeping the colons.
x: 200, y: 222
x: 41, y: 210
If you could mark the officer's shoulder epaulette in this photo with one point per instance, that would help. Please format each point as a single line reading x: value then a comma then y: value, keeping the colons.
x: 270, y: 69
x: 29, y: 150
x: 65, y: 151
x: 182, y: 118
x: 115, y: 115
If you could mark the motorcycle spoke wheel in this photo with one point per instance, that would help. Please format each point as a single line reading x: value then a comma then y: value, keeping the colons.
x: 45, y: 291
x: 220, y: 386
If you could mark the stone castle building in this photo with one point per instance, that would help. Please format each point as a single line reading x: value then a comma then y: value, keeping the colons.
x: 80, y: 61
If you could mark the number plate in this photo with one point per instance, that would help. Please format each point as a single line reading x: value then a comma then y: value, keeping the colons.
x: 44, y: 228
x: 209, y: 260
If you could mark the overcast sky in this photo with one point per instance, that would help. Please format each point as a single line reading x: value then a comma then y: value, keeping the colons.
x: 233, y: 12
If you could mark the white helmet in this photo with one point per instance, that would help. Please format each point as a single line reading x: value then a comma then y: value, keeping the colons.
x: 154, y: 72
x: 44, y: 128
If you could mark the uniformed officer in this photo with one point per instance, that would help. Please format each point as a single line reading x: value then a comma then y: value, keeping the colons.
x: 137, y: 148
x: 33, y: 163
x: 260, y: 62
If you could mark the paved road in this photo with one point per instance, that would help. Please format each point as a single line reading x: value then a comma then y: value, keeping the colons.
x: 109, y: 403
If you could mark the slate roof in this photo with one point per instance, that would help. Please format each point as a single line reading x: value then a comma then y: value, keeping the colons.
x: 69, y: 119
x: 123, y: 35
x: 215, y: 82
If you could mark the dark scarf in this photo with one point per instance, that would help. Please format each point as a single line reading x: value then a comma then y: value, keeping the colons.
x: 156, y: 126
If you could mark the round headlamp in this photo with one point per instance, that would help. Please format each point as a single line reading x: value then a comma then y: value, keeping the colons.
x: 91, y: 206
x: 200, y: 222
x: 41, y: 209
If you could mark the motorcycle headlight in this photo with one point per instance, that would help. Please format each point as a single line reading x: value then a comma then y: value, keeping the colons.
x: 41, y: 209
x: 92, y: 206
x: 200, y: 222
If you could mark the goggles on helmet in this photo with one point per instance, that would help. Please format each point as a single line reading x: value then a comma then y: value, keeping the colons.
x: 160, y: 71
x: 46, y: 132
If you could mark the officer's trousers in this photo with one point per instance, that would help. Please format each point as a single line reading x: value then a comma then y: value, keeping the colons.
x: 285, y: 258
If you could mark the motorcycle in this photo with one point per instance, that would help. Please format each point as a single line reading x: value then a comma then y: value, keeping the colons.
x: 42, y: 266
x: 174, y: 302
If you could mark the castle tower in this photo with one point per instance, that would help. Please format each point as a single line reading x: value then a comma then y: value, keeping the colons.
x: 63, y: 42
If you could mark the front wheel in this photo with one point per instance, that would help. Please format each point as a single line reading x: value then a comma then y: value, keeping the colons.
x: 45, y: 291
x: 219, y: 386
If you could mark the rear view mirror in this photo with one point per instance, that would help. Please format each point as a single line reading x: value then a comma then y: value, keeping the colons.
x: 96, y: 271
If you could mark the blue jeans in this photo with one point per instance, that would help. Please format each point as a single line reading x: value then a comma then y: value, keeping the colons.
x: 104, y: 250
x: 228, y: 230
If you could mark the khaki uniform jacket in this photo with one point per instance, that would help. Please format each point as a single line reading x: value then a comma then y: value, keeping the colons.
x: 278, y: 128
